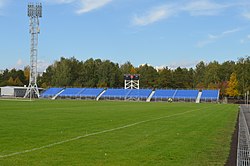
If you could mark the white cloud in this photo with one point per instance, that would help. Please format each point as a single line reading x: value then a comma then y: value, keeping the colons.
x: 231, y: 31
x: 204, y: 7
x: 154, y: 15
x: 42, y: 65
x: 193, y: 7
x: 246, y: 39
x: 246, y: 15
x: 20, y: 64
x: 89, y: 5
x: 60, y: 1
x: 212, y: 38
x: 83, y: 6
x: 2, y: 3
x: 183, y: 64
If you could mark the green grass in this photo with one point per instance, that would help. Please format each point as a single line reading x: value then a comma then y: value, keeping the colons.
x: 200, y: 137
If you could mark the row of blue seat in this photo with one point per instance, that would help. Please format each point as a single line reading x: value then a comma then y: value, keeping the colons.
x: 127, y: 93
x: 210, y: 94
x: 72, y: 92
x: 81, y: 92
x: 51, y: 92
x: 186, y: 94
x: 131, y: 93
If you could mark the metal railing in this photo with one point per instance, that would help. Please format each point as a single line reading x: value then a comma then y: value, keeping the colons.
x: 243, y: 150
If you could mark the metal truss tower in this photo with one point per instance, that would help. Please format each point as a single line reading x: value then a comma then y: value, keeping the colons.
x: 131, y: 81
x: 34, y: 13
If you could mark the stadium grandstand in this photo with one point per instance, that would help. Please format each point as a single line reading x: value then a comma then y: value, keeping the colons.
x: 132, y: 94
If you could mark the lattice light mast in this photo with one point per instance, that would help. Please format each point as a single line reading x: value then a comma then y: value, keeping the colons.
x: 34, y: 13
x: 131, y: 81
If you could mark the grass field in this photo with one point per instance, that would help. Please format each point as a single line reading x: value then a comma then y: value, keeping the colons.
x: 58, y: 132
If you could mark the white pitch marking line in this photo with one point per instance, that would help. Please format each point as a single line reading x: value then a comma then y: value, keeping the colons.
x: 96, y: 133
x: 15, y: 100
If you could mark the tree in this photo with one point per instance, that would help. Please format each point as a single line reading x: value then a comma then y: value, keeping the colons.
x: 64, y: 72
x: 179, y: 77
x: 199, y: 75
x: 211, y: 75
x: 148, y: 76
x: 232, y: 86
x: 165, y: 78
x: 225, y: 70
x: 127, y: 68
x: 18, y: 82
x: 26, y: 72
x: 242, y: 70
x: 46, y: 79
x: 10, y: 81
x: 88, y: 73
x: 109, y: 73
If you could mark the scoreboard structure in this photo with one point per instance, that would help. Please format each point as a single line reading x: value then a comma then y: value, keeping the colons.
x: 131, y: 81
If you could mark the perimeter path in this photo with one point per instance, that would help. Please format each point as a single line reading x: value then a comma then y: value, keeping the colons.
x: 98, y: 133
x: 246, y: 111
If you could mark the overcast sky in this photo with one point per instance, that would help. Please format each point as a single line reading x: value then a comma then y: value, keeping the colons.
x: 158, y: 32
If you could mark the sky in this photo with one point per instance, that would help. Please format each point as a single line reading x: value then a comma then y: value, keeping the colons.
x: 157, y: 32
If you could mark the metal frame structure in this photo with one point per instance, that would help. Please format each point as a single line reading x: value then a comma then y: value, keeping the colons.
x: 34, y: 13
x: 248, y: 99
x: 130, y: 82
x: 243, y: 150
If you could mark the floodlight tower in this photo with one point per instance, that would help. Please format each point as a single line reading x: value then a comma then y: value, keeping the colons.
x: 34, y: 13
x: 131, y: 81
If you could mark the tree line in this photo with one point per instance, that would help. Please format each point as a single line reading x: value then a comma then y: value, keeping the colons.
x: 231, y: 77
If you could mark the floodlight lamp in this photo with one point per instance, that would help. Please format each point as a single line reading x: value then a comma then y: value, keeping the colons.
x: 34, y: 10
x: 30, y: 10
x: 38, y: 10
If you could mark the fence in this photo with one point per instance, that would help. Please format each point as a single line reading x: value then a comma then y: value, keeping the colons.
x: 243, y: 150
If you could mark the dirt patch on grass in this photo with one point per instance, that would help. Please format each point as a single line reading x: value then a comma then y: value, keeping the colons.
x: 232, y: 158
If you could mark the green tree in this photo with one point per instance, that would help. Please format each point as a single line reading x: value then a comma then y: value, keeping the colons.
x: 242, y: 70
x: 225, y: 70
x: 62, y: 73
x: 165, y: 78
x: 127, y: 68
x: 148, y: 76
x: 88, y: 76
x: 199, y: 74
x: 179, y: 77
x: 108, y: 72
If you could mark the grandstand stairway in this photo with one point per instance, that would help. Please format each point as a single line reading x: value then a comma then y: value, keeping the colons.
x: 150, y: 96
x: 53, y: 98
x: 198, y: 99
x: 100, y: 95
x: 175, y: 93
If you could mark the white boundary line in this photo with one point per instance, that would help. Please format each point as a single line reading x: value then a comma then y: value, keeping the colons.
x: 15, y: 100
x: 96, y: 133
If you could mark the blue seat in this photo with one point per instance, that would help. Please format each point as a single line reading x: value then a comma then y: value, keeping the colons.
x: 71, y: 92
x: 51, y: 92
x: 210, y: 95
x: 139, y: 93
x: 186, y: 94
x: 119, y: 93
x: 164, y: 93
x: 91, y: 92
